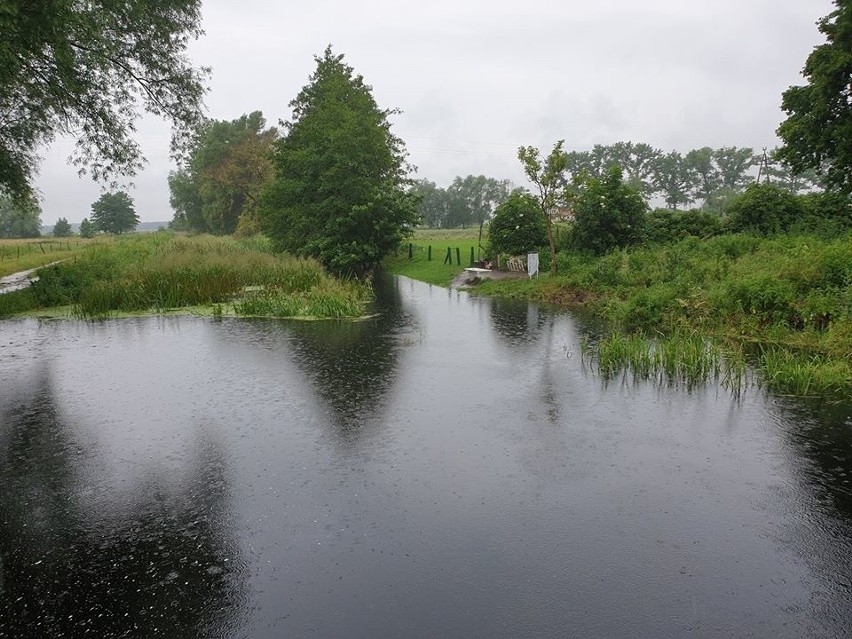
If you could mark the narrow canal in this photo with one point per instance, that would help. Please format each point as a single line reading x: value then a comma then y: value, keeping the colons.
x: 447, y: 468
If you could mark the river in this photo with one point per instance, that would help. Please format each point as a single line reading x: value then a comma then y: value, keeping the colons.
x: 447, y: 468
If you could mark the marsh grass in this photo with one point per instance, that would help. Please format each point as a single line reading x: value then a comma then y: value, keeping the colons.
x: 673, y: 361
x: 330, y: 300
x: 804, y: 375
x: 162, y: 272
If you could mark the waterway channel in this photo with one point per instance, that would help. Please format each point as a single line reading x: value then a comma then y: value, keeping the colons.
x: 447, y: 468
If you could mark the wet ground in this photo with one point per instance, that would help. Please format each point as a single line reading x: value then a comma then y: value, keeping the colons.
x: 446, y: 469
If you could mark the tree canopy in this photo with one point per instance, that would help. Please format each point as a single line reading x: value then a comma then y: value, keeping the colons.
x: 340, y: 189
x: 817, y: 133
x: 518, y: 226
x: 608, y: 213
x: 114, y: 213
x: 468, y: 201
x: 19, y: 219
x: 228, y: 165
x: 87, y: 69
x: 62, y: 228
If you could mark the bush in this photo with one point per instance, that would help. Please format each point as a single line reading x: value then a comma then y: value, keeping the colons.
x: 765, y: 209
x: 663, y: 226
x: 826, y: 214
x: 518, y: 226
x: 608, y: 214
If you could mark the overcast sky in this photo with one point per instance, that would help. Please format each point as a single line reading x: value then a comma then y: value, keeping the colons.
x: 476, y: 79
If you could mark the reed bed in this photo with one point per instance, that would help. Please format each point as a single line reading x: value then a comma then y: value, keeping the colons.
x: 678, y: 360
x: 162, y: 272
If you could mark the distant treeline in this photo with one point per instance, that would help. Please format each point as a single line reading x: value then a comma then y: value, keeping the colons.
x: 704, y: 178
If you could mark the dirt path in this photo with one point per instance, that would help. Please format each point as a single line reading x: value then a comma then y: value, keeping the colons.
x: 19, y: 280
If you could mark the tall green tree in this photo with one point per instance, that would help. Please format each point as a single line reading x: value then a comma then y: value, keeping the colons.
x: 19, y: 219
x: 87, y: 228
x: 817, y: 133
x: 114, y: 213
x: 340, y: 191
x: 548, y: 176
x: 706, y: 179
x: 228, y: 165
x: 674, y: 179
x: 62, y: 228
x: 733, y: 165
x: 433, y: 203
x: 87, y: 69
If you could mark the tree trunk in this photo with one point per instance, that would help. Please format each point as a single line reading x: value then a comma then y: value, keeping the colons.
x: 552, y: 245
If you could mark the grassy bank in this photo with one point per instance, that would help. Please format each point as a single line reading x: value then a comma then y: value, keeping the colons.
x: 434, y: 270
x: 161, y: 272
x: 783, y: 303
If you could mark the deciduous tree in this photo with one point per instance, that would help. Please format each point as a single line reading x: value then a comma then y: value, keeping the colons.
x: 19, y: 219
x: 548, y: 176
x: 817, y: 133
x: 87, y: 229
x: 228, y: 165
x: 114, y: 213
x: 62, y: 228
x: 87, y: 69
x: 340, y: 192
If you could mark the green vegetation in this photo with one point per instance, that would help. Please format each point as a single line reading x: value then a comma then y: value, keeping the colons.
x: 518, y: 226
x: 787, y: 298
x: 608, y: 214
x: 18, y: 220
x: 764, y: 209
x: 677, y: 360
x: 23, y: 255
x: 817, y: 133
x: 114, y: 213
x: 468, y: 201
x: 434, y: 271
x: 161, y: 272
x: 547, y: 174
x: 62, y: 228
x: 339, y: 193
x: 87, y: 228
x: 87, y: 68
x: 218, y: 188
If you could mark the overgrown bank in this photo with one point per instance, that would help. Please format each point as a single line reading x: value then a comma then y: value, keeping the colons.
x: 162, y: 272
x: 783, y: 303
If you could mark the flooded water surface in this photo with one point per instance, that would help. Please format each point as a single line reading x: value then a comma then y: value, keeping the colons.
x: 448, y: 468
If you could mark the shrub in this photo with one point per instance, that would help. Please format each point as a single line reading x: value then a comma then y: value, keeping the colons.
x: 608, y: 214
x: 765, y: 209
x: 666, y: 225
x: 518, y: 226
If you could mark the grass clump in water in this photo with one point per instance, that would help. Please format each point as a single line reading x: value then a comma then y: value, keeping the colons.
x: 330, y: 300
x: 677, y: 360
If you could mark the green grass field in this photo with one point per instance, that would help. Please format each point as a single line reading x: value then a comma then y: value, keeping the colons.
x: 435, y: 271
x: 23, y: 255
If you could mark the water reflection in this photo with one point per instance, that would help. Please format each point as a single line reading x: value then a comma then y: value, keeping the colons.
x: 80, y: 558
x: 352, y: 366
x: 187, y: 476
x: 517, y: 324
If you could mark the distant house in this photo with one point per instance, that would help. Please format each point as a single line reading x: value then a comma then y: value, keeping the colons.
x: 561, y: 214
